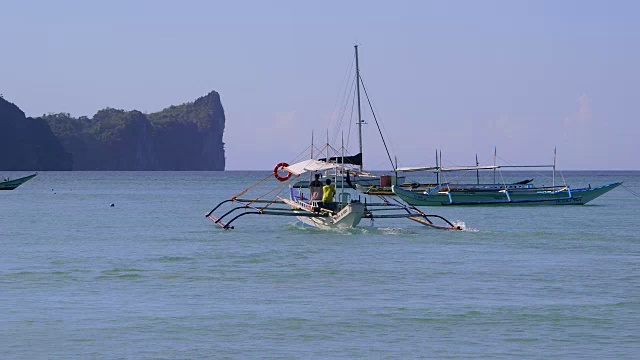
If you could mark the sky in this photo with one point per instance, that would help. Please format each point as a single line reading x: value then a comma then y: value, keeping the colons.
x: 463, y: 77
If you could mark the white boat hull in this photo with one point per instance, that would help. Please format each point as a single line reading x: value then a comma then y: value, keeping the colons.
x: 348, y: 217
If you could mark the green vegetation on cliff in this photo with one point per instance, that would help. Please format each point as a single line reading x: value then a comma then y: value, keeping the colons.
x: 182, y: 137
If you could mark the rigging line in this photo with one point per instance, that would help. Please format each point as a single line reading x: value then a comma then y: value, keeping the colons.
x: 377, y: 124
x: 350, y: 97
x: 488, y: 160
x: 300, y: 155
x: 502, y: 177
x: 562, y: 176
x: 508, y: 162
x: 538, y: 172
x: 630, y: 190
x: 250, y: 187
x: 343, y: 87
x: 266, y: 178
x: 340, y: 119
x: 278, y: 188
x: 353, y: 104
x: 383, y: 130
x: 452, y: 176
x: 347, y: 83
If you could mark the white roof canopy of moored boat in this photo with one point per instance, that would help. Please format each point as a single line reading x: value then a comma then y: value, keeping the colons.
x: 462, y: 168
x: 311, y: 165
x: 437, y: 168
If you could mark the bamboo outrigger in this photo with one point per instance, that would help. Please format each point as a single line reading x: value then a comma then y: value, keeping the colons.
x: 347, y: 212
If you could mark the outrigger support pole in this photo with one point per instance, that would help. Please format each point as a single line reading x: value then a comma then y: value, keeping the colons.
x: 255, y: 211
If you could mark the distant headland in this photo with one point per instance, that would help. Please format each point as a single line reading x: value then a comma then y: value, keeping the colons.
x: 182, y: 137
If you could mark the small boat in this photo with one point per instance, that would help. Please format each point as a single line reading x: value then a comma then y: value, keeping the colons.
x: 384, y: 187
x: 558, y: 195
x: 416, y: 187
x: 350, y: 207
x: 347, y: 212
x: 7, y: 184
x: 522, y: 192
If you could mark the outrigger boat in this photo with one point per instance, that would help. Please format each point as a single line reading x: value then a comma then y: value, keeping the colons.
x: 523, y: 192
x: 349, y: 209
x: 558, y: 195
x: 7, y: 184
x: 384, y: 188
x: 347, y: 212
x: 417, y: 187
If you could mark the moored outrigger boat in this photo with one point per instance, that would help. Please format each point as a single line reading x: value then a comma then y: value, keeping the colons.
x: 557, y: 195
x: 519, y: 193
x: 347, y: 212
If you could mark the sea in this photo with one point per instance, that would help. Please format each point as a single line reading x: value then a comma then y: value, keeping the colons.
x: 125, y: 265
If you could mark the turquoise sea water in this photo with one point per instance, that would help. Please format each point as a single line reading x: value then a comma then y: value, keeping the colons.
x: 151, y: 277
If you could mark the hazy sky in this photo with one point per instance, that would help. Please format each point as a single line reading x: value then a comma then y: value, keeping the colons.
x: 461, y: 76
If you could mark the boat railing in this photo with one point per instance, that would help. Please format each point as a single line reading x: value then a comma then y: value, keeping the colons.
x: 345, y: 198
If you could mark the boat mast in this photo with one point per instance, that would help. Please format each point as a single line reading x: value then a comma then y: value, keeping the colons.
x: 440, y: 166
x: 310, y: 173
x: 437, y: 169
x: 328, y: 155
x: 342, y: 164
x: 359, y: 111
x: 477, y: 171
x: 554, y: 167
x: 495, y: 155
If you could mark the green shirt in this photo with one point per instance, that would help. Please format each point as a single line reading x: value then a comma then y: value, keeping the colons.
x: 328, y: 192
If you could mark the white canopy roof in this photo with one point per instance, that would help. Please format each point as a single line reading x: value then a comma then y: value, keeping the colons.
x: 460, y: 168
x: 439, y: 169
x: 417, y: 168
x: 311, y: 165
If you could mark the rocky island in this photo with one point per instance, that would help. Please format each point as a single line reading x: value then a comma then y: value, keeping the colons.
x: 182, y: 137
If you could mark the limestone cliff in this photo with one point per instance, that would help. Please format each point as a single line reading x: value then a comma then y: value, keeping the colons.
x: 28, y: 144
x: 183, y: 137
x: 189, y: 136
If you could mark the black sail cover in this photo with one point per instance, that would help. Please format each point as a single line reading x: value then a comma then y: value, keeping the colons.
x: 350, y: 160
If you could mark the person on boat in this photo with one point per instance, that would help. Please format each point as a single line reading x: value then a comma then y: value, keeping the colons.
x: 348, y: 180
x: 328, y: 193
x: 315, y: 189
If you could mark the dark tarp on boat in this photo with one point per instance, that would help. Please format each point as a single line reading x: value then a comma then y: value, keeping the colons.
x: 351, y: 160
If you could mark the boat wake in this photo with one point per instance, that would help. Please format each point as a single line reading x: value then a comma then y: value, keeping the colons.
x: 395, y: 231
x: 460, y: 224
x: 300, y: 226
x: 361, y: 230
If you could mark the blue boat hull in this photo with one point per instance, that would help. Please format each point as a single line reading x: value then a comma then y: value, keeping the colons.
x: 531, y: 196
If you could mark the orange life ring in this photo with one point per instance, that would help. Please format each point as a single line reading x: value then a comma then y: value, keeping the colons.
x: 278, y: 167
